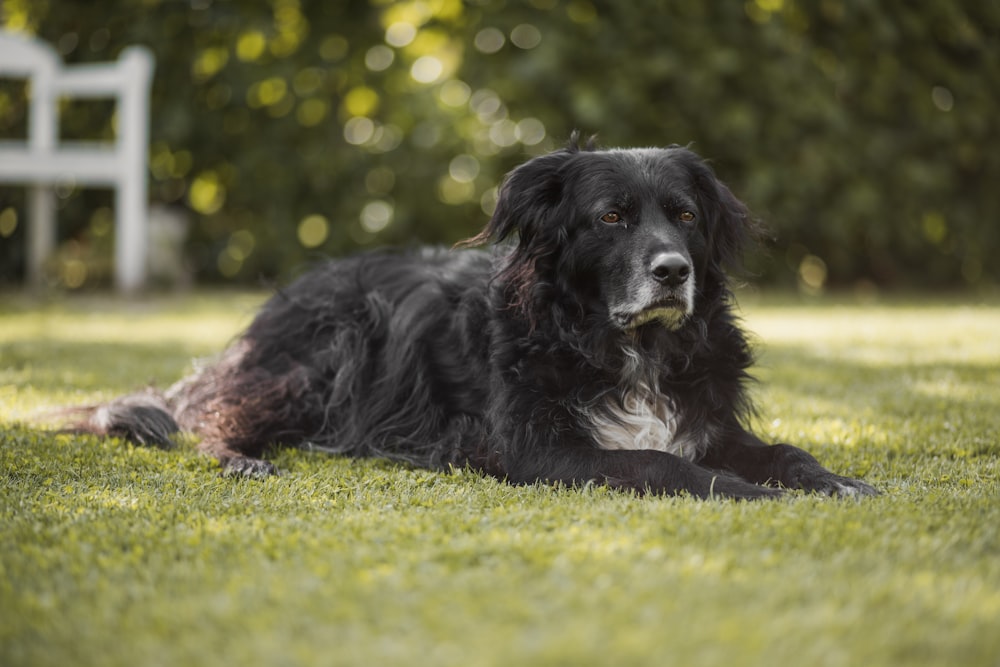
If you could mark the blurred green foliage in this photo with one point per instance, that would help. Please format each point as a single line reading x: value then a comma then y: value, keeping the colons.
x: 864, y: 134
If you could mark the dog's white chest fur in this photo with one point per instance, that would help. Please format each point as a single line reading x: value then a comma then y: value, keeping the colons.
x: 643, y: 420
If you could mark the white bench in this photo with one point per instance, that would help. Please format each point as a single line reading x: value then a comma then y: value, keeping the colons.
x: 43, y: 161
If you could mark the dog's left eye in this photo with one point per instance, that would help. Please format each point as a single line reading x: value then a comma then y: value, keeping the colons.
x: 611, y: 217
x: 687, y: 216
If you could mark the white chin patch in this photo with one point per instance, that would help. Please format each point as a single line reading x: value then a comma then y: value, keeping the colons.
x: 669, y: 318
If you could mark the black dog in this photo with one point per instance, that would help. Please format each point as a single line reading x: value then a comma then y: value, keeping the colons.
x: 599, y: 346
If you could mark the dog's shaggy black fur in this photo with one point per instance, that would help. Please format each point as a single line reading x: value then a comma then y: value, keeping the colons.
x: 595, y: 342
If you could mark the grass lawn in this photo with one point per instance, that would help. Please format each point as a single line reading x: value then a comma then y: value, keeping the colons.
x: 114, y: 555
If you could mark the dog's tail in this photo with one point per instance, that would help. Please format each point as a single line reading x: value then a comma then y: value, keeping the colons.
x: 144, y: 418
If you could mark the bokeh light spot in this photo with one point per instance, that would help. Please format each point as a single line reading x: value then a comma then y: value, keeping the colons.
x: 942, y: 98
x: 313, y: 230
x: 74, y: 273
x: 400, y: 34
x: 376, y: 216
x: 489, y: 40
x: 333, y: 48
x: 427, y: 69
x: 379, y: 58
x: 250, y: 46
x: 361, y: 101
x: 358, y: 130
x: 525, y: 36
x: 241, y: 244
x: 206, y: 194
x: 454, y: 93
x: 464, y: 168
x: 454, y: 192
x: 311, y: 112
x: 8, y: 222
x: 812, y: 274
x: 530, y: 131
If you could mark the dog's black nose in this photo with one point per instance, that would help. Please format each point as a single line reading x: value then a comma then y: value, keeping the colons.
x: 670, y: 269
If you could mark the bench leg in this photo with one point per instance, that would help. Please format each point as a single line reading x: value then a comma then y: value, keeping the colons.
x: 41, y: 232
x: 131, y: 235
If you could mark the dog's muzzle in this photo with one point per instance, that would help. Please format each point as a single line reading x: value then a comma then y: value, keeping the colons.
x: 673, y: 300
x: 669, y: 313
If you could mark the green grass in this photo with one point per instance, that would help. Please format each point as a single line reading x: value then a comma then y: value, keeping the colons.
x: 115, y: 555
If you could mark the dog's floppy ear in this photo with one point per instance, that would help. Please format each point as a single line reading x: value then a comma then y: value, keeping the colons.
x: 729, y: 224
x: 731, y: 227
x: 526, y: 196
x: 528, y: 200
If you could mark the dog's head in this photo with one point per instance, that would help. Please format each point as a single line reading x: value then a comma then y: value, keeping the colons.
x: 634, y: 236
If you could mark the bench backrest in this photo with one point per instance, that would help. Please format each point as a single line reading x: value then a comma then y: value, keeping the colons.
x: 127, y: 81
x: 43, y: 161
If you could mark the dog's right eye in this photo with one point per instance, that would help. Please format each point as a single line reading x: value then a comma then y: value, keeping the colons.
x: 611, y: 217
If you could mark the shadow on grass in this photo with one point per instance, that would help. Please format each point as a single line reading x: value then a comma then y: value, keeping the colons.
x: 948, y: 404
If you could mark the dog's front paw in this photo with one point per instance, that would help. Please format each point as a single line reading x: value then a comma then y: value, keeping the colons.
x: 836, y: 486
x: 244, y: 466
x: 796, y: 469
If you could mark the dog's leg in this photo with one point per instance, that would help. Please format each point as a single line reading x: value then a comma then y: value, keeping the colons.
x: 239, y: 407
x: 245, y: 466
x: 236, y: 464
x: 789, y: 466
x: 645, y: 471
